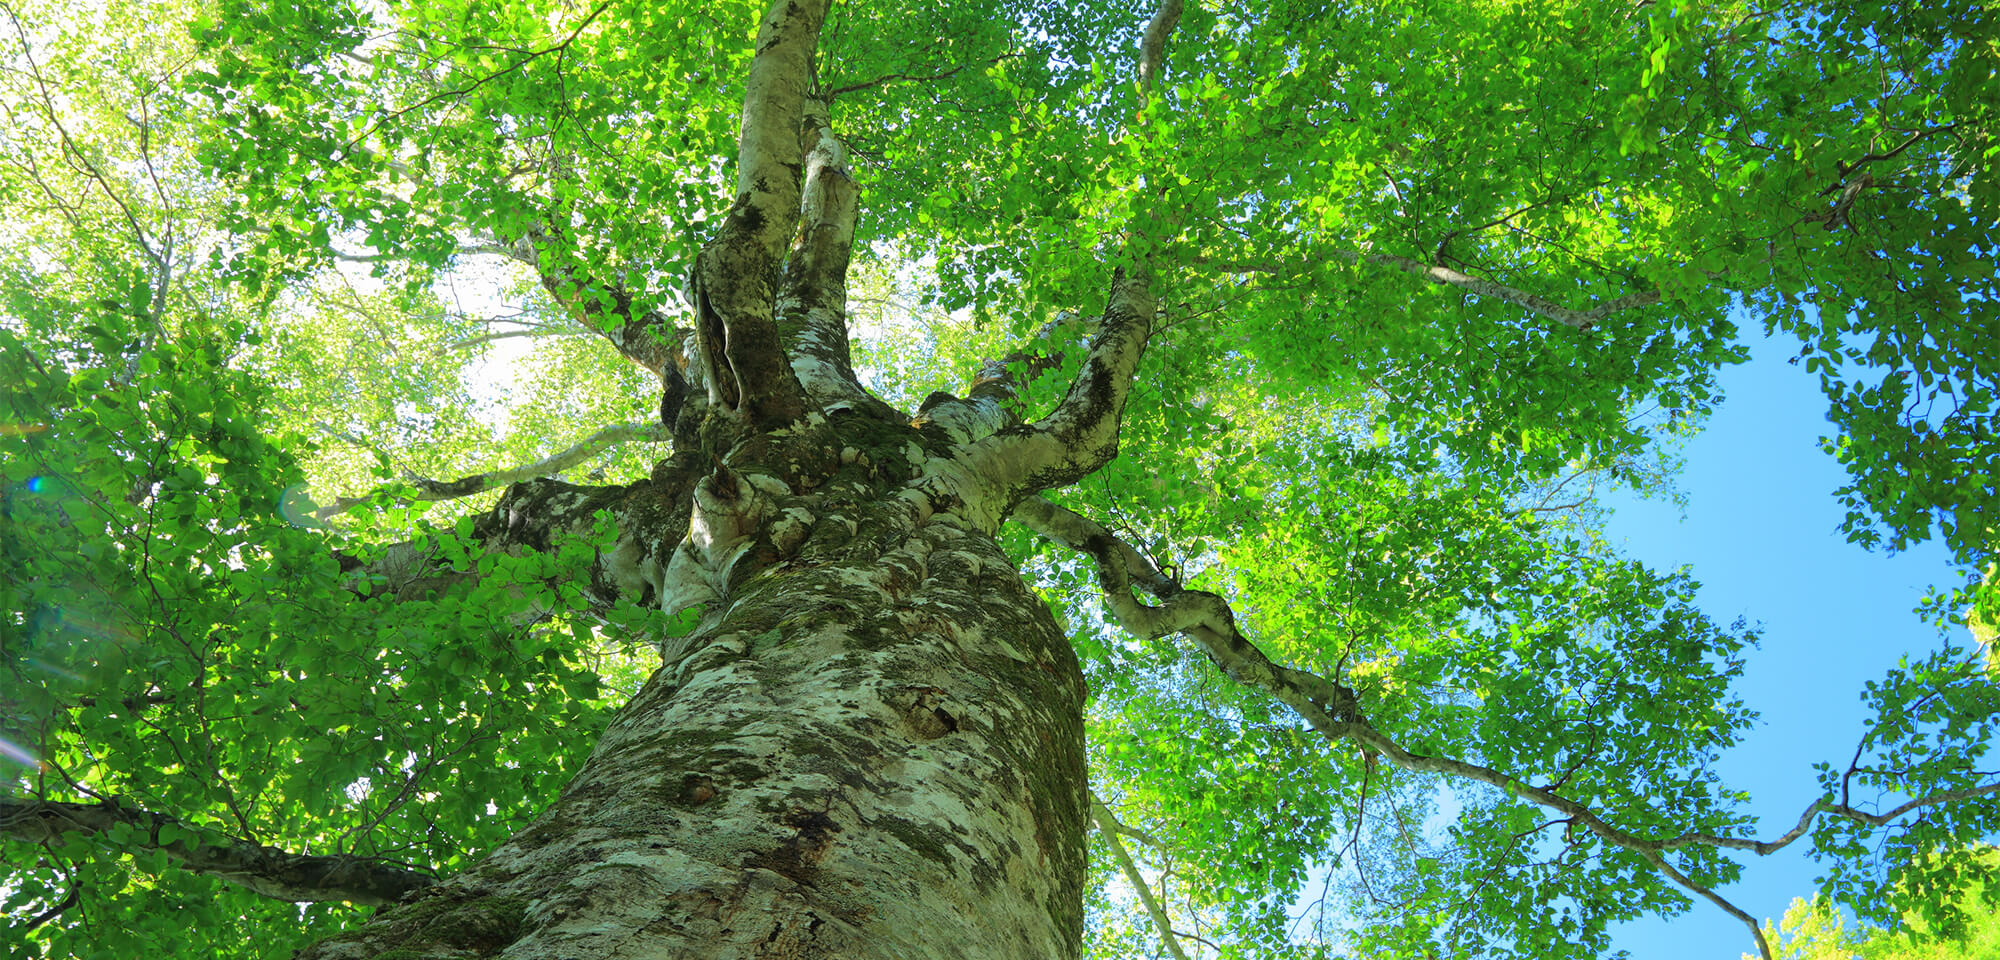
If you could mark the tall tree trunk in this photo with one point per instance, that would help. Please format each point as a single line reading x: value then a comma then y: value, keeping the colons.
x: 872, y: 746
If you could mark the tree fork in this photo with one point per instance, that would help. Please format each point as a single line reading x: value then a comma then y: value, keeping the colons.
x: 871, y: 746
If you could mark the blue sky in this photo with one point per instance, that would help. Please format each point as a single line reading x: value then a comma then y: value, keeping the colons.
x: 1762, y: 535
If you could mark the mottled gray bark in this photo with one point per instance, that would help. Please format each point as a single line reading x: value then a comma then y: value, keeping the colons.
x: 871, y: 746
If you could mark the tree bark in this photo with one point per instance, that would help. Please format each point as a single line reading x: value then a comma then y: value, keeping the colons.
x: 870, y: 746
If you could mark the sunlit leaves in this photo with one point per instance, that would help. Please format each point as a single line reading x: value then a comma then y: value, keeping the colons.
x: 175, y: 639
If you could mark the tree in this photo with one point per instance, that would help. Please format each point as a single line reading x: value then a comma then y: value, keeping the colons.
x: 1297, y: 338
x: 1813, y: 930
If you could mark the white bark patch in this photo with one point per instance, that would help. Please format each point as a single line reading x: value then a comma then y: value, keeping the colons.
x: 980, y: 505
x: 790, y: 530
x: 727, y: 510
x: 631, y: 567
x: 824, y: 384
x: 968, y: 419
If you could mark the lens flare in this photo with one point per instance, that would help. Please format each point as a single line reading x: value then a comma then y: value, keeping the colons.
x: 19, y: 755
x: 296, y: 506
x: 69, y: 675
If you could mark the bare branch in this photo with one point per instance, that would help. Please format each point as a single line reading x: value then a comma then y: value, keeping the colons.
x: 1081, y: 434
x: 811, y: 311
x: 1108, y: 827
x: 426, y: 490
x: 1580, y: 319
x: 994, y: 402
x: 269, y: 871
x: 741, y: 355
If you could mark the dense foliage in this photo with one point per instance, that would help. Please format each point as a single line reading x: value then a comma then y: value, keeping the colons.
x: 1814, y: 930
x: 1428, y: 271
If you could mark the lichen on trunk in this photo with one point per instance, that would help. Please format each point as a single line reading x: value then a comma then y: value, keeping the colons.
x: 872, y: 746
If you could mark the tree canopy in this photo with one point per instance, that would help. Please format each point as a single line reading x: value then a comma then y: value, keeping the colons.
x: 1813, y: 930
x: 291, y: 295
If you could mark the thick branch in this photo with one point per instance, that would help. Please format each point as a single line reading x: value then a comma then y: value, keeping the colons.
x: 733, y: 285
x: 1580, y: 319
x: 1108, y: 827
x: 269, y: 871
x: 1153, y: 46
x: 648, y: 338
x: 644, y: 336
x: 426, y: 490
x: 1081, y: 434
x: 1201, y: 615
x: 651, y: 517
x: 1208, y: 619
x: 812, y: 307
x: 994, y: 402
x: 768, y: 148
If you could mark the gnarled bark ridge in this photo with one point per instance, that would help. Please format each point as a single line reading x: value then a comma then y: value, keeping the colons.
x: 871, y: 746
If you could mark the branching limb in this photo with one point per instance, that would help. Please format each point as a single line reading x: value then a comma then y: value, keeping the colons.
x: 994, y: 401
x: 269, y: 871
x: 1109, y: 828
x: 812, y: 305
x: 1206, y: 617
x: 1332, y: 708
x: 736, y: 334
x: 426, y: 490
x: 1533, y: 303
x: 645, y: 336
x: 1843, y: 168
x: 1081, y: 435
x: 1818, y: 807
x: 651, y: 517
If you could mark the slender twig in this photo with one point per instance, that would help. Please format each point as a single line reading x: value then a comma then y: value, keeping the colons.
x: 909, y: 78
x: 428, y: 490
x: 527, y: 57
x: 1107, y: 827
